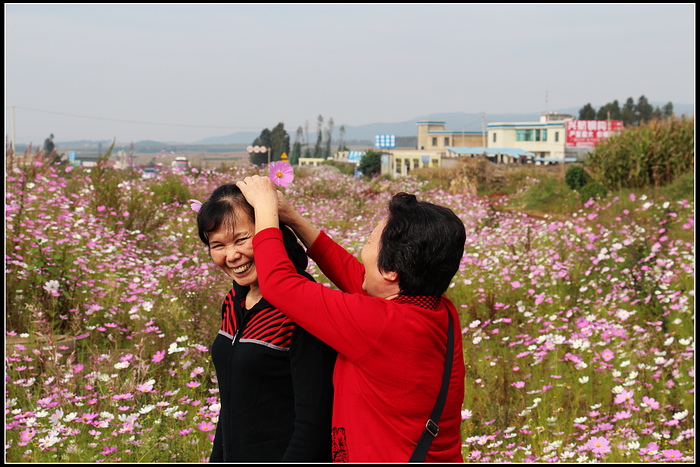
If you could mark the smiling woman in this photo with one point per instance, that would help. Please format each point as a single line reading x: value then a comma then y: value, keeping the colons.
x: 275, y: 379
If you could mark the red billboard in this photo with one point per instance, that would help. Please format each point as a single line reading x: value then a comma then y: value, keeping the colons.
x: 587, y: 133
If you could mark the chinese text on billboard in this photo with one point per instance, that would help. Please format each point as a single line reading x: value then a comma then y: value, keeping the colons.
x: 587, y: 133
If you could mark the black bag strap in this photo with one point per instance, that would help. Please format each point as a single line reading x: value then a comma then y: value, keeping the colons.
x: 431, y: 426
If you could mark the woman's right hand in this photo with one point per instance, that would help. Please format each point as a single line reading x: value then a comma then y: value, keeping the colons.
x: 287, y: 213
x: 306, y: 232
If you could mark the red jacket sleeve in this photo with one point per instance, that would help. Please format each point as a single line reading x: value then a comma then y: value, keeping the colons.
x: 351, y: 323
x: 342, y: 268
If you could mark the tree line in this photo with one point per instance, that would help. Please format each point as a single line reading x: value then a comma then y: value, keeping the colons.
x: 630, y: 113
x: 277, y: 141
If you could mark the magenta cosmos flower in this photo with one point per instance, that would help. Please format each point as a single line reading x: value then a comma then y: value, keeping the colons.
x: 599, y: 445
x: 281, y: 173
x: 195, y: 204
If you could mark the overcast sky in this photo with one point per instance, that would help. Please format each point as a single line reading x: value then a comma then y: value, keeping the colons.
x: 185, y: 72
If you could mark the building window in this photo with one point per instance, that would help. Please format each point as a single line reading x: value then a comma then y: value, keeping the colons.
x: 494, y: 137
x: 544, y: 135
x: 537, y: 135
x: 556, y: 136
x: 447, y: 141
x: 524, y: 135
x: 434, y: 141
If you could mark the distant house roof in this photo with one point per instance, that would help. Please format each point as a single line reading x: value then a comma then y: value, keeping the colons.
x: 513, y: 152
x: 551, y: 159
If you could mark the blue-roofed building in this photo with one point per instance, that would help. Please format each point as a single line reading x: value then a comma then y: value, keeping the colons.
x: 545, y: 139
x: 496, y: 155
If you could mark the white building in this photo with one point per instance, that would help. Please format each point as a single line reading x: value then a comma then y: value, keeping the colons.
x: 546, y: 139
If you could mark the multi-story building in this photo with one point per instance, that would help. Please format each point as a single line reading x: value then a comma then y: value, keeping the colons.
x: 546, y: 139
x: 433, y: 137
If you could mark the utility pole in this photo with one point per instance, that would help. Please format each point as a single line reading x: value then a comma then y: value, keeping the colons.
x: 483, y: 130
x: 14, y: 156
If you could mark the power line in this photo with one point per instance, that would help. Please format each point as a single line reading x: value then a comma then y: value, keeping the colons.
x: 136, y: 122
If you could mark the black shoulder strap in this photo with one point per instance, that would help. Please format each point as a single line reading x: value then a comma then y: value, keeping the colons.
x: 431, y: 426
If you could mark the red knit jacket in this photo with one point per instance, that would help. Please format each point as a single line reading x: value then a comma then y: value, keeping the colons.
x: 391, y: 354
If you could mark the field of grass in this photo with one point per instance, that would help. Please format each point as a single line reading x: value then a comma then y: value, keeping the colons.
x: 578, y: 323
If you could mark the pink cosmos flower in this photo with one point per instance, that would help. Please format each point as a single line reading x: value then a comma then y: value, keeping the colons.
x: 650, y: 402
x: 672, y: 454
x: 160, y: 355
x: 205, y: 425
x: 607, y: 355
x: 598, y: 444
x: 195, y: 204
x: 625, y: 396
x: 281, y: 173
x: 27, y: 435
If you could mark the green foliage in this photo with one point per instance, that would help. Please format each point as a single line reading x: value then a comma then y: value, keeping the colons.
x: 344, y: 167
x: 587, y: 112
x: 296, y: 153
x: 170, y: 190
x: 49, y: 147
x: 371, y: 163
x: 682, y: 187
x: 576, y: 177
x: 546, y: 192
x: 592, y: 190
x: 276, y: 142
x: 610, y: 110
x: 557, y: 317
x: 630, y: 114
x: 319, y: 137
x: 651, y: 154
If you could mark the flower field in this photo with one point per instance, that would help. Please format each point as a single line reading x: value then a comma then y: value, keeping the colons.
x: 578, y: 330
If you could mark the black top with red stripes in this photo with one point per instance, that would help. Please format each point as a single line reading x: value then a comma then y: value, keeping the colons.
x: 275, y: 386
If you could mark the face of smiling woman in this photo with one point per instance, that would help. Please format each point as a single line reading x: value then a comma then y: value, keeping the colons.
x: 232, y: 251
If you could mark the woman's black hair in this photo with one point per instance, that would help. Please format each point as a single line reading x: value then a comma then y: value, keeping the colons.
x: 225, y: 206
x: 423, y: 243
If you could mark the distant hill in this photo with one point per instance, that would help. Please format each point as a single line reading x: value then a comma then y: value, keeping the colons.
x: 241, y: 137
x: 454, y: 121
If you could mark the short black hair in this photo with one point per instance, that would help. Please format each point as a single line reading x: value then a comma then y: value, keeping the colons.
x: 423, y: 243
x: 225, y: 206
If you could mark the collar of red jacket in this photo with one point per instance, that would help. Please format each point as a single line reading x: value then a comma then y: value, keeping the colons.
x: 428, y: 302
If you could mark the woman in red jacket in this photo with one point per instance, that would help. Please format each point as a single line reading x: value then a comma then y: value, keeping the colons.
x: 388, y: 321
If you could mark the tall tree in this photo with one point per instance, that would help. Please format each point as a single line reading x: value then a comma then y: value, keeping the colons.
x: 341, y: 143
x: 319, y: 136
x: 371, y: 163
x: 643, y: 110
x: 329, y: 135
x: 628, y: 115
x: 49, y: 147
x: 276, y: 141
x: 668, y: 110
x: 296, y: 147
x: 280, y: 142
x: 611, y: 107
x: 587, y: 112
